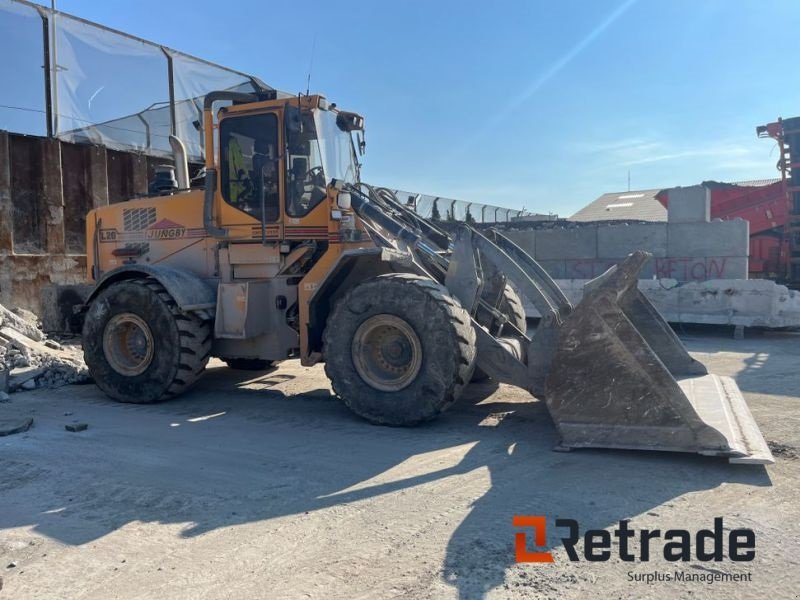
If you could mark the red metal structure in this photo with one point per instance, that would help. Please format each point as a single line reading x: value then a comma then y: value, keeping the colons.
x: 786, y: 132
x: 766, y: 208
x: 771, y: 207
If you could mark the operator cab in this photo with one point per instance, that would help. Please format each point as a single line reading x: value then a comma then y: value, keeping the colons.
x: 310, y: 141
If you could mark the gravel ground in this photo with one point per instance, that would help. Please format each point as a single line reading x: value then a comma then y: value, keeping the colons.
x: 265, y: 486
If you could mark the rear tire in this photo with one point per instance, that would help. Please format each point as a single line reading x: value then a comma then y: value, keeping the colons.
x: 139, y: 346
x: 399, y: 349
x: 511, y: 306
x: 248, y: 364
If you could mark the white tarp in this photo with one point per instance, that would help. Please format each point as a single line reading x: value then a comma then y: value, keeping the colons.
x: 22, y: 95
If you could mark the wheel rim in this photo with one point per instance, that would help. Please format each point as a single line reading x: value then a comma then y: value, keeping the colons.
x: 128, y: 344
x: 387, y: 353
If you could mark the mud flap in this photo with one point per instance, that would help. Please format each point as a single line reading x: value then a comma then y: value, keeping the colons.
x: 621, y: 378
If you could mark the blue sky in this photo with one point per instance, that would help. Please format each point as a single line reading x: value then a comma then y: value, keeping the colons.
x: 538, y: 104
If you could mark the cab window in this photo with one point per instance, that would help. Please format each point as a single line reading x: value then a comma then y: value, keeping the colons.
x: 249, y: 165
x: 305, y: 176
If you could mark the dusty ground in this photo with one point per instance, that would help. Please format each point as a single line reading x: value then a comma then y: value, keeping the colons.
x: 269, y: 488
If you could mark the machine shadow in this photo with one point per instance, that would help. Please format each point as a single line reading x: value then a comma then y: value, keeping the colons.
x: 309, y: 453
x: 598, y: 488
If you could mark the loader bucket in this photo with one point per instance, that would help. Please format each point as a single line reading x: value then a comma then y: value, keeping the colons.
x: 621, y: 378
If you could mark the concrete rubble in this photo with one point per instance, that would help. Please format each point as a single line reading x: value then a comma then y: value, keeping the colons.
x: 29, y: 360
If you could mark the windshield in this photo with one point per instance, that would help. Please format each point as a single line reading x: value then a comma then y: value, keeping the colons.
x: 336, y: 147
x: 318, y: 151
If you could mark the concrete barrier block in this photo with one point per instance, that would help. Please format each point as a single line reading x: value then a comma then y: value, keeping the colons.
x: 702, y: 240
x: 663, y: 294
x: 572, y: 288
x: 748, y: 302
x: 703, y: 303
x: 554, y: 244
x: 582, y: 269
x: 681, y: 268
x: 689, y: 205
x: 621, y: 240
x: 555, y: 268
x: 591, y: 268
x: 524, y: 239
x: 760, y: 306
x: 727, y: 267
x: 700, y: 269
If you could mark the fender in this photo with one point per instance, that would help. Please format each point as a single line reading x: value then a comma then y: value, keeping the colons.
x: 190, y: 293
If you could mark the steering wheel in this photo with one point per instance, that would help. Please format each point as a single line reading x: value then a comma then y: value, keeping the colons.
x: 313, y: 177
x: 314, y: 185
x: 309, y: 189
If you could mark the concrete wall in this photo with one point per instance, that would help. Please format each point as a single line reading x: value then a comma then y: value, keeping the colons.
x: 46, y: 189
x: 684, y: 251
x: 747, y: 302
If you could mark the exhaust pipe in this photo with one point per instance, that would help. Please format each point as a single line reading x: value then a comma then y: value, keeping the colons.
x: 208, y: 205
x: 181, y: 162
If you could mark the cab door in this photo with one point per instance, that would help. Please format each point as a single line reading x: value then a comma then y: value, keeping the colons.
x: 251, y: 184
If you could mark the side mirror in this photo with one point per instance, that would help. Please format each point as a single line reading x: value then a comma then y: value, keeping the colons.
x: 349, y: 121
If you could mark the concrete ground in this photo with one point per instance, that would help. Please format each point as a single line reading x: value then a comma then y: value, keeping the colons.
x: 267, y: 487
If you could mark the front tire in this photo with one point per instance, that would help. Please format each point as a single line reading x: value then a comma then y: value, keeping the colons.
x: 139, y: 346
x: 399, y: 349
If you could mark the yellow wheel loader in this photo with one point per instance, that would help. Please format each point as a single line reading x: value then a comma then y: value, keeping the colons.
x: 284, y: 254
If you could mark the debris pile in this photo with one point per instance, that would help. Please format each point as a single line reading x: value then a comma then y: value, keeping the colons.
x: 28, y: 360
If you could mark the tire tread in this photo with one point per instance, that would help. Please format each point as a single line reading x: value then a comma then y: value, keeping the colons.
x: 462, y: 331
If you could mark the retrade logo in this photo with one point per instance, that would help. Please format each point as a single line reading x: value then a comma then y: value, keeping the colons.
x: 539, y: 525
x: 631, y: 545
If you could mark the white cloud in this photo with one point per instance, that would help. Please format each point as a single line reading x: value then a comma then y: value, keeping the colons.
x: 728, y: 154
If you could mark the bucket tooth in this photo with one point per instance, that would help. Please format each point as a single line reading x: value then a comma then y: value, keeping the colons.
x: 621, y: 378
